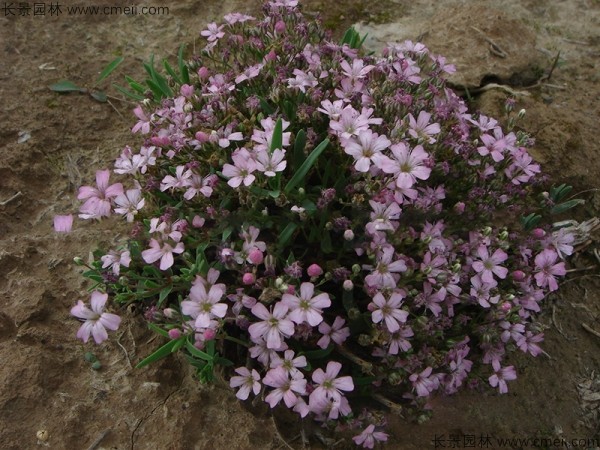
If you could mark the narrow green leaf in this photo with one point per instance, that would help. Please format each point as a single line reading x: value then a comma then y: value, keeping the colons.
x: 162, y: 83
x: 128, y: 93
x: 158, y: 330
x: 163, y: 351
x: 171, y: 72
x: 286, y: 234
x: 164, y: 293
x: 299, y: 145
x: 109, y: 69
x: 277, y: 139
x: 305, y: 167
x: 135, y: 85
x: 99, y: 96
x: 183, y: 70
x: 197, y: 353
x: 65, y: 86
x: 319, y: 354
x: 158, y: 93
x: 562, y: 207
x: 347, y: 38
x: 264, y: 105
x: 223, y: 361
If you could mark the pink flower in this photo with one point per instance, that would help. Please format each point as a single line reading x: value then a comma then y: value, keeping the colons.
x: 423, y: 382
x: 407, y: 165
x: 358, y: 70
x: 129, y: 203
x: 273, y: 327
x: 95, y: 320
x: 333, y: 333
x: 270, y: 163
x: 204, y: 306
x: 488, y: 266
x: 369, y: 436
x: 384, y: 274
x: 501, y: 376
x: 421, y: 128
x: 164, y: 253
x: 384, y: 217
x: 115, y: 260
x: 388, y: 310
x: 97, y: 199
x: 63, y: 224
x: 328, y: 386
x: 547, y: 268
x: 241, y: 171
x: 213, y: 32
x: 286, y: 388
x: 306, y: 308
x: 364, y: 148
x: 496, y: 145
x: 246, y: 381
x: 528, y: 343
x: 289, y: 363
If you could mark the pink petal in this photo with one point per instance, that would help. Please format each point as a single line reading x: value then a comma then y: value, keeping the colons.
x: 110, y: 321
x: 81, y: 311
x: 166, y: 261
x: 63, y: 224
x: 98, y: 301
x: 84, y: 331
x: 99, y: 333
x: 102, y: 177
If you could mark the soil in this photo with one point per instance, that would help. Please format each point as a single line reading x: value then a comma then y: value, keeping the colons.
x: 50, y: 144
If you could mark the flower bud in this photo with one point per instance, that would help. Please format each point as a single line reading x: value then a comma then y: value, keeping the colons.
x: 169, y: 313
x: 201, y: 137
x: 209, y: 334
x: 291, y: 289
x: 198, y: 222
x: 348, y: 285
x: 518, y: 275
x: 78, y: 260
x: 278, y: 282
x: 486, y: 231
x: 175, y: 333
x: 459, y: 208
x: 301, y: 191
x: 314, y: 270
x: 271, y: 56
x: 505, y: 307
x: 248, y: 278
x: 353, y: 313
x: 538, y: 233
x: 521, y: 113
x: 203, y: 73
x: 503, y: 235
x: 365, y: 340
x: 356, y: 269
x: 186, y: 90
x: 348, y: 235
x: 280, y: 27
x: 256, y: 256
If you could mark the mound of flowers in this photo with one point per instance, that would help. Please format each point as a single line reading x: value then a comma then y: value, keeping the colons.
x: 333, y: 228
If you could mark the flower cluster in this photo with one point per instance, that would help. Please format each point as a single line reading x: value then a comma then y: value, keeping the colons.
x: 341, y: 218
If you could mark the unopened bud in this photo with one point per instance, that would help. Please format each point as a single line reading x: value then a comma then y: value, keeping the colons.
x: 538, y: 233
x: 169, y: 313
x: 78, y: 260
x: 353, y: 313
x: 348, y: 285
x: 348, y: 235
x: 356, y: 269
x: 486, y: 231
x: 278, y: 282
x: 518, y: 275
x: 521, y: 113
x: 256, y: 256
x: 314, y: 270
x: 248, y: 278
x: 175, y: 333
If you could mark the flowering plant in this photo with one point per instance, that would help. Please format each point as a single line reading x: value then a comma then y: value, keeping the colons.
x: 332, y: 225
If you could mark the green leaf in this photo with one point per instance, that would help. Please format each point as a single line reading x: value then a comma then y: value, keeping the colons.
x: 164, y: 293
x: 158, y: 330
x: 223, y: 361
x: 163, y: 351
x: 286, y: 234
x: 305, y: 167
x: 135, y: 85
x: 326, y: 242
x: 319, y: 354
x: 226, y: 233
x: 277, y: 139
x: 530, y: 221
x: 299, y: 145
x: 171, y: 72
x: 183, y: 70
x: 558, y: 193
x: 110, y: 68
x: 128, y: 93
x: 264, y: 105
x: 197, y: 353
x: 65, y: 86
x: 99, y: 96
x: 557, y: 209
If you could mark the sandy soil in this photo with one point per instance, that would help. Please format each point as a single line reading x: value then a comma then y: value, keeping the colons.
x: 48, y: 390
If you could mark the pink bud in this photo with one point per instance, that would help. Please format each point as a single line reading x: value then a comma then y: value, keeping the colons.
x: 505, y: 307
x: 348, y: 235
x: 314, y: 270
x: 256, y: 256
x: 348, y: 285
x: 459, y: 208
x: 201, y: 137
x: 169, y: 313
x: 248, y: 278
x: 198, y: 222
x: 291, y: 289
x: 175, y: 333
x: 186, y: 90
x: 209, y: 334
x: 518, y: 275
x: 538, y: 233
x: 271, y: 56
x: 202, y: 73
x: 280, y: 27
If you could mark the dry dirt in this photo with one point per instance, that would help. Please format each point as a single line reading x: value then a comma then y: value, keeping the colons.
x: 47, y: 386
